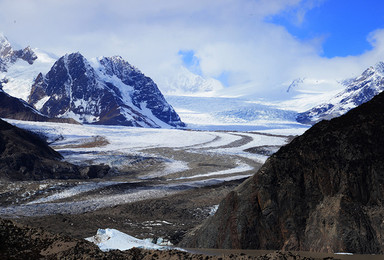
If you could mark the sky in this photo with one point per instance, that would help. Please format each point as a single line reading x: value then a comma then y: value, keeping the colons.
x: 253, y: 47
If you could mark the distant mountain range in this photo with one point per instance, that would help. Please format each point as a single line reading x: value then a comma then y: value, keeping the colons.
x: 102, y: 91
x: 358, y: 91
x: 109, y: 90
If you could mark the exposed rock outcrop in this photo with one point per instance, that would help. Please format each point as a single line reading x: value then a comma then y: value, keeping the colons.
x: 322, y: 192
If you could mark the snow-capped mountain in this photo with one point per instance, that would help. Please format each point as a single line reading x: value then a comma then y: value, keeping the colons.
x: 107, y: 91
x: 8, y: 55
x: 358, y: 91
x: 186, y: 83
x: 18, y: 69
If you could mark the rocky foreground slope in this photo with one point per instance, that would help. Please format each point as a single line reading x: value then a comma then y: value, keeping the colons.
x: 23, y: 242
x: 322, y: 192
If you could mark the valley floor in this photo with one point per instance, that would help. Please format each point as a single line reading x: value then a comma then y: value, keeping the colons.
x: 163, y: 182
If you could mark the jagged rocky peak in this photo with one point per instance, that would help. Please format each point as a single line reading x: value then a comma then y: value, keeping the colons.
x: 5, y: 47
x: 146, y: 95
x: 63, y: 90
x: 116, y: 65
x: 70, y: 71
x: 106, y: 91
x: 295, y: 83
x: 8, y: 55
x: 26, y: 54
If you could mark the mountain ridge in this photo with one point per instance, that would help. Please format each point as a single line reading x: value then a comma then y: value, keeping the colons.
x: 358, y: 91
x: 109, y: 92
x: 9, y: 55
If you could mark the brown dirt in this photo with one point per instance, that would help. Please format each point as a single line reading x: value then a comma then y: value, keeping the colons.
x: 95, y: 141
x: 23, y: 242
x: 142, y: 219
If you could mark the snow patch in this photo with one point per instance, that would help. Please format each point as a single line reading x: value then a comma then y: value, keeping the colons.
x: 74, y: 191
x: 41, y: 102
x: 170, y: 167
x: 112, y: 239
x: 241, y: 167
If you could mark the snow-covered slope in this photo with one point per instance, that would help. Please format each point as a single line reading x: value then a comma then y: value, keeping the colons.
x: 109, y: 91
x: 186, y: 83
x: 8, y: 55
x: 19, y: 68
x: 358, y: 91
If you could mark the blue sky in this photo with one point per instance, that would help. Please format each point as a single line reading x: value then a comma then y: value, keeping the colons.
x: 253, y: 47
x: 344, y: 26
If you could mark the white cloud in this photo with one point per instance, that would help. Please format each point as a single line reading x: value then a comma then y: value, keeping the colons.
x: 227, y: 36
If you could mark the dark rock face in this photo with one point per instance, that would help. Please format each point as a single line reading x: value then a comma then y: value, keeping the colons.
x: 146, y: 94
x: 15, y: 108
x: 24, y: 156
x: 26, y: 54
x: 358, y: 91
x: 322, y: 192
x: 115, y: 93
